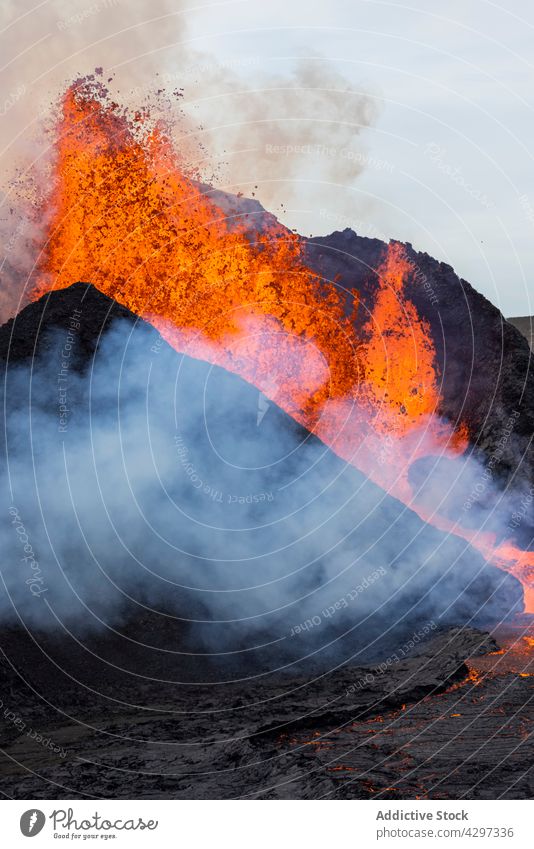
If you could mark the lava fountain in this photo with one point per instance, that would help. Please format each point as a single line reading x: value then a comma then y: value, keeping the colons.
x: 129, y: 217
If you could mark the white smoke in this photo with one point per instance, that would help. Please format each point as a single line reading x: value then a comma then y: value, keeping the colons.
x: 148, y: 484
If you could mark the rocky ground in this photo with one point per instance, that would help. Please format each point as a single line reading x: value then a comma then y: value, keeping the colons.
x: 420, y: 726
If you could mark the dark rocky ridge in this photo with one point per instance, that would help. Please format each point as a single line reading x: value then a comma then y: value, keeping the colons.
x: 485, y: 363
x: 30, y: 334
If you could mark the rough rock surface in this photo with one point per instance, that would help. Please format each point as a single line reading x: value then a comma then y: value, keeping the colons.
x: 485, y: 363
x: 350, y: 733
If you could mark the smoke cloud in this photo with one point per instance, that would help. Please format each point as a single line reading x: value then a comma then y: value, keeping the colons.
x: 263, y: 133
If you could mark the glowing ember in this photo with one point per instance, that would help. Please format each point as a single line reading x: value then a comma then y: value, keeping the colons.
x: 516, y: 655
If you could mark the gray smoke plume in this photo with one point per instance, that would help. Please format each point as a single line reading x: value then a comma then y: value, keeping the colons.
x: 262, y: 132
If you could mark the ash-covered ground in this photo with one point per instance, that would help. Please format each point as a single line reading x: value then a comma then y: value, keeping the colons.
x: 285, y: 630
x: 425, y: 725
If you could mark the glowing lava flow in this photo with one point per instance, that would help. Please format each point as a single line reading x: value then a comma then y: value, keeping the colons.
x: 127, y: 218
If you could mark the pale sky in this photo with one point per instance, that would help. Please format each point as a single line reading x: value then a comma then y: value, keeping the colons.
x: 456, y: 124
x: 444, y: 159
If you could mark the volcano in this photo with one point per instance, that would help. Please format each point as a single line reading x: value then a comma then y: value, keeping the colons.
x: 383, y: 353
x: 198, y: 553
x: 177, y: 484
x: 276, y: 488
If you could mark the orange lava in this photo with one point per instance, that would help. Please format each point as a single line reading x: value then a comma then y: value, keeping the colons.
x: 127, y: 218
x: 506, y: 556
x: 519, y: 563
x: 399, y: 354
x: 515, y: 636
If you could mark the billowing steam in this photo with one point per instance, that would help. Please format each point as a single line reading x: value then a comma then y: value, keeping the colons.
x: 151, y: 482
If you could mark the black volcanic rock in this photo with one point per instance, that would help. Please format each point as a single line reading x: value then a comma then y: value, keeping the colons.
x: 485, y: 364
x: 247, y: 739
x: 162, y: 498
x: 32, y: 333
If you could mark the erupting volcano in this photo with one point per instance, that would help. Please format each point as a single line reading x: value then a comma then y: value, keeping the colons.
x: 128, y: 219
x: 271, y: 493
x: 237, y: 289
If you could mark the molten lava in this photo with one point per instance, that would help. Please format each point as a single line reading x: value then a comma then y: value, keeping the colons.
x: 128, y: 218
